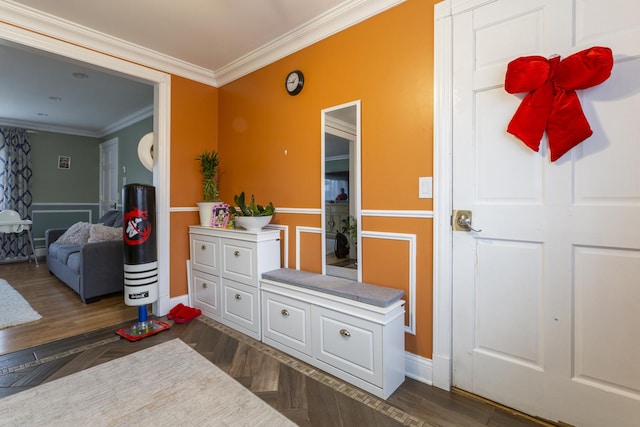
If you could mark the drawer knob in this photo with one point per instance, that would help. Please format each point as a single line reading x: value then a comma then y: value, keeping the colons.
x: 345, y: 333
x: 204, y: 247
x: 236, y: 253
x: 284, y: 312
x: 238, y: 297
x: 205, y: 285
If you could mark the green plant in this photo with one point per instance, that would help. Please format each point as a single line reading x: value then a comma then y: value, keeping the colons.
x: 350, y: 228
x: 208, y: 167
x: 252, y: 210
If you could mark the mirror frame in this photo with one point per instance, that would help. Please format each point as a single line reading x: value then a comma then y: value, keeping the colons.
x: 357, y: 174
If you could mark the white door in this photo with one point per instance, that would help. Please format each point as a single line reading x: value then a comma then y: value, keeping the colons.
x: 109, y: 188
x: 546, y: 298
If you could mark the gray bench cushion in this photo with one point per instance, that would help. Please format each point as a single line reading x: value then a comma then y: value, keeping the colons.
x: 369, y: 294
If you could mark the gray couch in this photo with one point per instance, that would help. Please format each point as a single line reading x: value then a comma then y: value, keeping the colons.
x: 91, y: 269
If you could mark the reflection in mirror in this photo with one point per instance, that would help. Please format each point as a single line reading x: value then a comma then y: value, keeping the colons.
x: 341, y: 191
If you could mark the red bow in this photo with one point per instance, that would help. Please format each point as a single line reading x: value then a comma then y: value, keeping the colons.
x: 552, y: 102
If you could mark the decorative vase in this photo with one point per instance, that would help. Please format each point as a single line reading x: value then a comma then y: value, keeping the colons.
x: 252, y: 223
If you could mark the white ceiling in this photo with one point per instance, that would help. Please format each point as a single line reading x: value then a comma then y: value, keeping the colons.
x: 221, y: 38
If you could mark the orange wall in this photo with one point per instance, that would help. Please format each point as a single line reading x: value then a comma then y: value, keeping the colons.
x: 194, y: 128
x: 269, y: 142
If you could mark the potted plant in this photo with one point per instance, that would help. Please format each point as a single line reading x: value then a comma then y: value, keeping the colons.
x: 208, y: 167
x: 251, y: 217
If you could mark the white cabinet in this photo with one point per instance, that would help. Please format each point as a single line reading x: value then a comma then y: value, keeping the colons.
x: 360, y: 343
x: 226, y: 266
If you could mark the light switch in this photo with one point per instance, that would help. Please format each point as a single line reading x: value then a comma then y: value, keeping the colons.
x: 425, y: 187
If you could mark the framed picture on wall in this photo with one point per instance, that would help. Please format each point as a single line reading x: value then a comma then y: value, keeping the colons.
x: 64, y: 162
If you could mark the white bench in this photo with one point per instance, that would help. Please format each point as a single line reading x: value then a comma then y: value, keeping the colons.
x: 352, y: 330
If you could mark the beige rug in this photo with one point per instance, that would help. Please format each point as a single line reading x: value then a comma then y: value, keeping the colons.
x: 14, y: 309
x: 169, y: 384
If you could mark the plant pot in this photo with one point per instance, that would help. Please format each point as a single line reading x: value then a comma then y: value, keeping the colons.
x: 253, y: 223
x: 206, y: 212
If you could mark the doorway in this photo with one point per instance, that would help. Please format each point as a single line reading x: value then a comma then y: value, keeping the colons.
x: 536, y: 297
x: 162, y: 102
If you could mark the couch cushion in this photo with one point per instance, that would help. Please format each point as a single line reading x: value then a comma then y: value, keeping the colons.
x: 77, y: 234
x: 111, y: 219
x: 73, y: 262
x: 101, y: 233
x: 62, y: 251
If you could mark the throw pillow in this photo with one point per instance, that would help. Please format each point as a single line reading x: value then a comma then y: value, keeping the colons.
x: 101, y: 233
x: 77, y: 234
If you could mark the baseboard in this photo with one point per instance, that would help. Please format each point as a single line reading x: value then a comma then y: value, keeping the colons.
x: 418, y: 368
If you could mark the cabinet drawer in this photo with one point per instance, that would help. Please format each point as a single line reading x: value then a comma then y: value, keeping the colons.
x: 204, y: 254
x: 287, y: 321
x: 206, y: 292
x: 238, y: 261
x: 241, y: 305
x: 348, y: 343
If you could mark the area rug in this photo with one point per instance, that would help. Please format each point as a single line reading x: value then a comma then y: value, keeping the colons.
x: 14, y: 309
x: 169, y: 384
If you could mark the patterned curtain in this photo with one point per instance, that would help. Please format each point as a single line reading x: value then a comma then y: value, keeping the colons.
x: 15, y: 187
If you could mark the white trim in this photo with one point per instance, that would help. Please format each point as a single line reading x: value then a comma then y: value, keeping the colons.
x: 411, y: 239
x: 300, y: 211
x: 333, y: 21
x: 299, y: 231
x: 113, y: 127
x: 26, y: 124
x: 162, y: 182
x: 183, y: 209
x: 61, y: 29
x: 126, y: 121
x: 397, y: 213
x: 64, y: 204
x: 442, y: 198
x: 460, y: 6
x: 418, y: 368
x: 63, y: 211
x: 284, y: 228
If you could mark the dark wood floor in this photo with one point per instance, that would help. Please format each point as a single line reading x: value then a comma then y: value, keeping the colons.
x: 303, y: 394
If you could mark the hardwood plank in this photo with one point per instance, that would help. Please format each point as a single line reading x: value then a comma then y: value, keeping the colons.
x: 74, y: 336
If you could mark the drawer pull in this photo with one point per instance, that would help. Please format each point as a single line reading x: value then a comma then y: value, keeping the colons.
x: 284, y: 312
x: 238, y: 297
x: 205, y: 285
x: 204, y: 247
x: 237, y: 253
x: 345, y: 333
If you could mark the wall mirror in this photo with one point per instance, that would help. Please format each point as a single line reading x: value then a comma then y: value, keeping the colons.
x: 341, y: 186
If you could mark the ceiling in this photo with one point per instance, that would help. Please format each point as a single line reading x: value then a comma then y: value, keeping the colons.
x: 220, y: 38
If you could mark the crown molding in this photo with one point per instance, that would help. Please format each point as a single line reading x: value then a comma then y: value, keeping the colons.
x: 114, y: 127
x: 33, y: 126
x: 319, y: 28
x: 44, y: 23
x: 127, y: 121
x: 323, y: 26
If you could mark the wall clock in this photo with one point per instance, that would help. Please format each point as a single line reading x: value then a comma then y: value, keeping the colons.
x: 294, y: 82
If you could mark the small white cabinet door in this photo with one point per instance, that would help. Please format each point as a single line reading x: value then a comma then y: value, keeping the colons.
x: 287, y: 321
x: 348, y: 343
x: 204, y: 254
x: 241, y: 307
x: 206, y: 290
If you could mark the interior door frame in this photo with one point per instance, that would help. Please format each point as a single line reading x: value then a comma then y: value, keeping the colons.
x: 442, y: 358
x: 12, y: 28
x: 112, y: 141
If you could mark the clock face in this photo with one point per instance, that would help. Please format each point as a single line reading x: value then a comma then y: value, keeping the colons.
x: 294, y: 82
